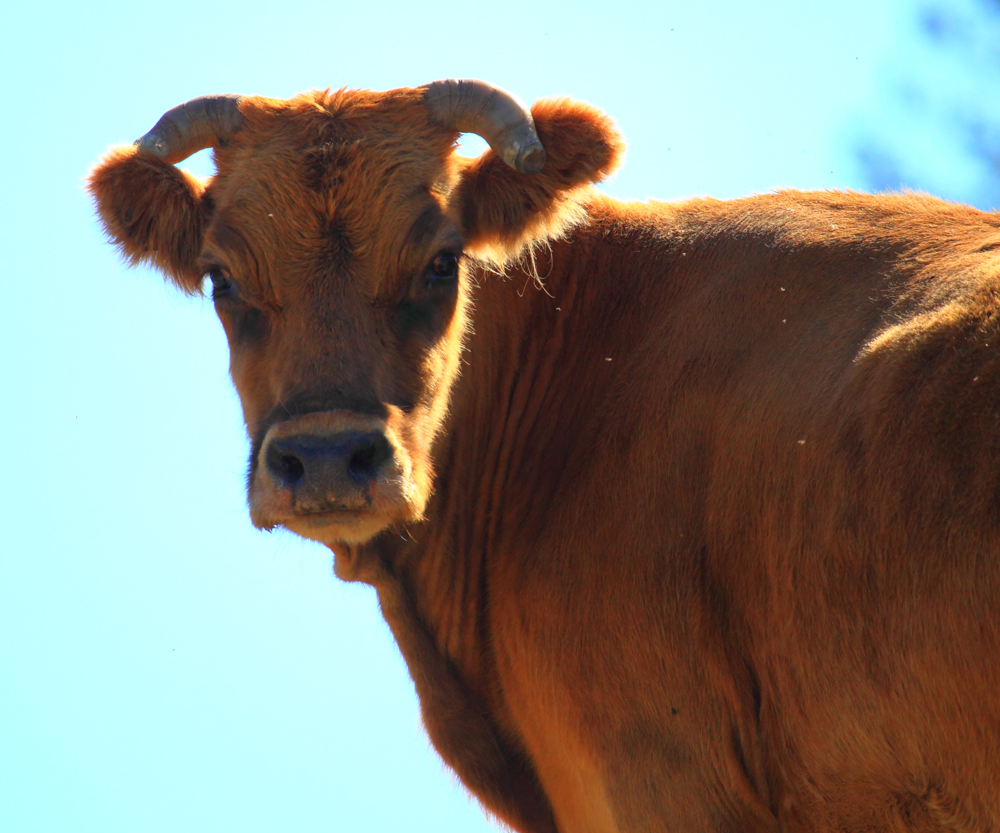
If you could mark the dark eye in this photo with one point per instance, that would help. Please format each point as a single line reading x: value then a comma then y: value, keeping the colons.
x: 443, y: 268
x: 221, y: 285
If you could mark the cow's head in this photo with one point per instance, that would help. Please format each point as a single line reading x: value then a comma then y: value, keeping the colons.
x: 336, y: 236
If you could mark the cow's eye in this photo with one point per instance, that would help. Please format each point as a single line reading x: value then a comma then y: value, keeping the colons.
x: 221, y: 284
x: 443, y: 268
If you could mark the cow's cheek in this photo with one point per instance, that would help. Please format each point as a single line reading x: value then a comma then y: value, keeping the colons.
x: 251, y: 379
x: 249, y: 370
x: 443, y: 363
x: 439, y: 370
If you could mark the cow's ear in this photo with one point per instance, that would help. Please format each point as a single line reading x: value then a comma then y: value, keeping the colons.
x: 153, y: 212
x: 503, y: 210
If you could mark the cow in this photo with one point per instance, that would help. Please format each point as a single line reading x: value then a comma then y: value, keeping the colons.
x: 685, y: 516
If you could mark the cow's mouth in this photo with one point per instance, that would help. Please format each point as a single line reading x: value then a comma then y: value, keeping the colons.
x: 330, y: 523
x: 332, y: 477
x: 270, y: 508
x: 327, y: 517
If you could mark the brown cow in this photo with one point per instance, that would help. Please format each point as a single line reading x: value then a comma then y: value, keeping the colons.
x: 687, y: 520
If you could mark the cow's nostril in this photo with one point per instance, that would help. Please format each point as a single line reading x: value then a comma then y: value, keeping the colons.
x: 284, y: 467
x: 368, y: 458
x: 292, y: 468
x: 324, y: 465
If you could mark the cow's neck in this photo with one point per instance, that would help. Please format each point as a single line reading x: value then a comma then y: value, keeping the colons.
x: 441, y: 563
x: 432, y: 577
x: 508, y: 380
x: 517, y: 423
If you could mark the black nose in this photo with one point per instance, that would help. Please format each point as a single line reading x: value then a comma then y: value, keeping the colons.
x: 334, y: 465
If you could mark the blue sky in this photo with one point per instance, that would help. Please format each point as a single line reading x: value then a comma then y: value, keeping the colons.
x: 163, y: 666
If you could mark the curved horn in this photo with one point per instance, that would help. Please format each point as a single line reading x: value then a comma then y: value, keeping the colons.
x: 200, y: 123
x: 500, y: 117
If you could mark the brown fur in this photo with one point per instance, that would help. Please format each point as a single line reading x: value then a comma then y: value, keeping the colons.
x: 705, y: 536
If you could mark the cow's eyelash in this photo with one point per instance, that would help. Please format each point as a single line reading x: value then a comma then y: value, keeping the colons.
x: 221, y: 283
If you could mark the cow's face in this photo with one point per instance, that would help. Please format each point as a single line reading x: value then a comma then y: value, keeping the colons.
x: 336, y: 239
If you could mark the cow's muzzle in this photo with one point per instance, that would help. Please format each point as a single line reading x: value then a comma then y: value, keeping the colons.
x: 331, y: 476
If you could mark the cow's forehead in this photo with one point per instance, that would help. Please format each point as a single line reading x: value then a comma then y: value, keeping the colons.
x: 331, y: 180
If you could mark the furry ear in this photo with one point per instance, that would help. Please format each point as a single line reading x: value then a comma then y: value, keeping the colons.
x: 502, y: 210
x: 153, y: 212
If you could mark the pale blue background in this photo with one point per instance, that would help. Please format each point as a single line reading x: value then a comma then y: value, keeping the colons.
x: 164, y: 667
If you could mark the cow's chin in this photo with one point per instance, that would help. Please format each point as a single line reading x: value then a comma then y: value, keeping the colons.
x: 332, y: 528
x: 336, y: 524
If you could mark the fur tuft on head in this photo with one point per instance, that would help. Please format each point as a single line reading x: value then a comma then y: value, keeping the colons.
x: 153, y: 212
x: 504, y: 211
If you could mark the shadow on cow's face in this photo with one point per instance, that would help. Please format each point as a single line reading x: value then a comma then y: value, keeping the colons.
x: 336, y: 236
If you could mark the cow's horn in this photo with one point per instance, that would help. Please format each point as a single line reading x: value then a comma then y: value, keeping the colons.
x: 500, y: 117
x: 200, y: 123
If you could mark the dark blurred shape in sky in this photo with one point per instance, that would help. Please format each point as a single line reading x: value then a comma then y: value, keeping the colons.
x: 936, y: 126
